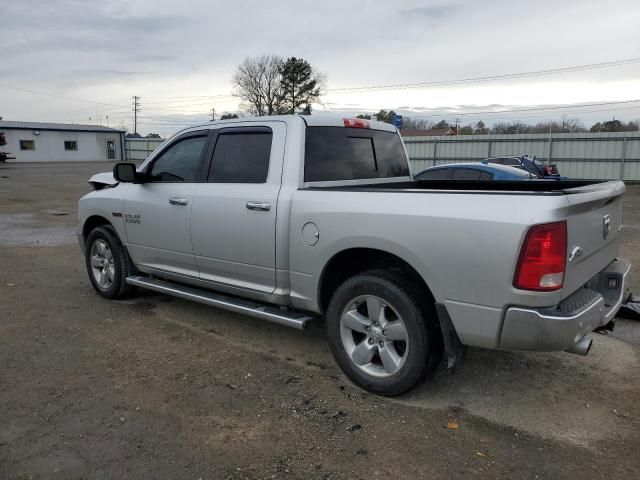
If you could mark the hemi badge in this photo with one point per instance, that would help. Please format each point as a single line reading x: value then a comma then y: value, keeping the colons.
x: 116, y: 214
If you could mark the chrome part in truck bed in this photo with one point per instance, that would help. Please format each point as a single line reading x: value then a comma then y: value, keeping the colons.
x: 273, y: 314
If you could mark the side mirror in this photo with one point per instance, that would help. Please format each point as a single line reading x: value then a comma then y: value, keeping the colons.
x: 124, y: 172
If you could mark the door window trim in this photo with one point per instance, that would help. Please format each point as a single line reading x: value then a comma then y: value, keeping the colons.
x: 205, y: 152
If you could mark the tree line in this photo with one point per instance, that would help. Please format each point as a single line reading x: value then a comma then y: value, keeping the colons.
x: 570, y: 125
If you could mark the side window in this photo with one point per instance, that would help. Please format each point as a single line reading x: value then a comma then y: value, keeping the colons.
x: 436, y: 174
x: 466, y: 174
x: 241, y: 156
x: 180, y: 162
x: 486, y: 176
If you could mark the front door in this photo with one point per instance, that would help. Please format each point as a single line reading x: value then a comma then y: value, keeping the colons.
x: 157, y: 212
x: 234, y: 213
x: 111, y: 149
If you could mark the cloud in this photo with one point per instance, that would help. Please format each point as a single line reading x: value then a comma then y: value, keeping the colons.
x: 433, y: 12
x: 102, y: 71
x: 108, y: 51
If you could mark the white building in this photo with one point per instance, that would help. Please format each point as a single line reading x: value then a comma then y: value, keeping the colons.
x: 60, y: 142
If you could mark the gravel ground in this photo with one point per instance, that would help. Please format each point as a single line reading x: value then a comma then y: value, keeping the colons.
x: 156, y: 387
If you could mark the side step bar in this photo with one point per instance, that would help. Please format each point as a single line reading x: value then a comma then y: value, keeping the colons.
x: 271, y: 313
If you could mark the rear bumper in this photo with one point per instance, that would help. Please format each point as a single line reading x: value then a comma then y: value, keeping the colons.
x: 560, y: 327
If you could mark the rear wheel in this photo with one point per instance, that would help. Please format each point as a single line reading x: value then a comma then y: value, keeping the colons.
x: 380, y: 335
x: 107, y: 263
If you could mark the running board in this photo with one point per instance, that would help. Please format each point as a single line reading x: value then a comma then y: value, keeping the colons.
x: 271, y: 313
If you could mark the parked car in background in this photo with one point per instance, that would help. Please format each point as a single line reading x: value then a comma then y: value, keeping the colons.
x: 528, y: 164
x: 473, y: 171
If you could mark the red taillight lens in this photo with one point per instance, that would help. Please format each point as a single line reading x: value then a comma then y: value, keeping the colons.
x: 355, y: 123
x: 543, y: 258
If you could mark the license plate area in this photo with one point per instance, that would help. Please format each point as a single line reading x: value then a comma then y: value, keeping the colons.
x: 610, y: 283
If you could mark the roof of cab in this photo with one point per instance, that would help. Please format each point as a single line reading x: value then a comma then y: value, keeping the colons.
x: 309, y: 120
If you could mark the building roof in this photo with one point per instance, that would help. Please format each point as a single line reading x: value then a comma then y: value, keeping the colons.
x: 65, y: 127
x: 432, y: 132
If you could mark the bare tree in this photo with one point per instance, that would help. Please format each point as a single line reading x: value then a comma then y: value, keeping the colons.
x: 257, y: 83
x: 409, y: 123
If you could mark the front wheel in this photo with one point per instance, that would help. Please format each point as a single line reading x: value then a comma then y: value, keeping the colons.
x: 380, y: 335
x: 107, y: 263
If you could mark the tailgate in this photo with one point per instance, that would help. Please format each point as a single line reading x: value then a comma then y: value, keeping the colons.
x: 594, y: 225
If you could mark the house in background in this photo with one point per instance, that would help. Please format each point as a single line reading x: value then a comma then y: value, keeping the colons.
x: 61, y: 142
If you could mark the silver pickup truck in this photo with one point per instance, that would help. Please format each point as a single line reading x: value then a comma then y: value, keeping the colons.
x: 292, y: 218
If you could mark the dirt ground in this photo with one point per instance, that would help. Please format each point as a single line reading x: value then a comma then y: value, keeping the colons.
x: 156, y: 387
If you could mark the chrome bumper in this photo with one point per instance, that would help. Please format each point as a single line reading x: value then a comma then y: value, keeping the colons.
x: 559, y: 328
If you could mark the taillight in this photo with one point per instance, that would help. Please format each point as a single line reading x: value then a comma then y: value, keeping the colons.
x: 543, y: 258
x: 355, y: 123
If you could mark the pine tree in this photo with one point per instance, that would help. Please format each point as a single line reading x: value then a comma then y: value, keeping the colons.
x: 300, y: 86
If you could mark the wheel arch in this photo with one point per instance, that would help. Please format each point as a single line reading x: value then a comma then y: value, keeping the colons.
x: 93, y: 222
x: 352, y: 261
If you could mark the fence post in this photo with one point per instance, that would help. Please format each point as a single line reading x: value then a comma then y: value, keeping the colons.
x: 624, y: 154
x: 550, y: 143
x: 489, y: 149
x: 435, y: 148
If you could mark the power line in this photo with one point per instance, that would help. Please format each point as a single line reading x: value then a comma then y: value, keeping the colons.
x: 507, y: 76
x: 58, y: 96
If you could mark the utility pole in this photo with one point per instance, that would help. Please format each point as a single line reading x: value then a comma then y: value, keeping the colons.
x: 213, y: 114
x: 136, y: 109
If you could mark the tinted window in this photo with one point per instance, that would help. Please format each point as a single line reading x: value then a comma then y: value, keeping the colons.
x: 466, y: 174
x: 486, y: 176
x: 241, y: 157
x: 337, y: 153
x: 180, y: 162
x: 435, y: 174
x: 27, y: 145
x: 512, y: 162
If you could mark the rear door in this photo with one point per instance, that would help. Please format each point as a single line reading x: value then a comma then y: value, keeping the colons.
x: 234, y: 212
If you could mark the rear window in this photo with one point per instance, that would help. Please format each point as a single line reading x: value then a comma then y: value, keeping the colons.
x: 466, y: 174
x: 511, y: 162
x: 337, y: 153
x: 435, y: 174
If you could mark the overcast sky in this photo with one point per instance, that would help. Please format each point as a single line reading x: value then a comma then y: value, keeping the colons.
x: 179, y: 56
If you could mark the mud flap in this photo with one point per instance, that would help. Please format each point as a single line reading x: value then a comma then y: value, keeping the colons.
x: 454, y: 349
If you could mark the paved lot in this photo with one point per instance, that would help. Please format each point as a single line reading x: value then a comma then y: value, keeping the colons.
x: 155, y: 387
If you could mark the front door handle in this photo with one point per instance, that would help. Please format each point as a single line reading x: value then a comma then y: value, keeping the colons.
x: 260, y: 206
x: 178, y: 201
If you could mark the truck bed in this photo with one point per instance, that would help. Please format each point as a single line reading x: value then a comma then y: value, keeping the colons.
x: 549, y: 187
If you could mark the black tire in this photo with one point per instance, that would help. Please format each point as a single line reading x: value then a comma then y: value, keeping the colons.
x: 122, y: 265
x: 424, y: 345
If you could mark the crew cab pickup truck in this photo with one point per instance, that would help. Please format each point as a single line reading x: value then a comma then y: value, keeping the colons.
x: 294, y: 218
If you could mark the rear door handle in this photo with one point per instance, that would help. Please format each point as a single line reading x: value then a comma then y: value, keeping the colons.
x: 178, y: 201
x: 260, y: 206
